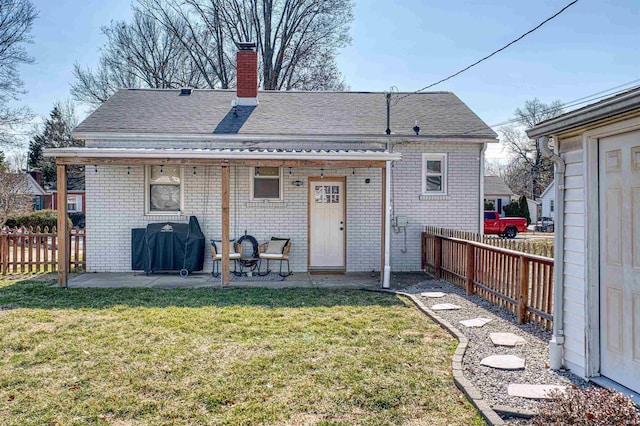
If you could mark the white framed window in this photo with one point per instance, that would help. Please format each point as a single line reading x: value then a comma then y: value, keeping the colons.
x: 266, y: 184
x: 74, y: 203
x: 434, y: 174
x: 163, y: 189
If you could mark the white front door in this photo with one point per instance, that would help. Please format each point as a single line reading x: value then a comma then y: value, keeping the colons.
x: 619, y: 174
x: 326, y: 224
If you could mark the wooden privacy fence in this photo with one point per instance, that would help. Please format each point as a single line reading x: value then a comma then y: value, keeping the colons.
x: 519, y: 282
x: 28, y: 250
x: 538, y: 246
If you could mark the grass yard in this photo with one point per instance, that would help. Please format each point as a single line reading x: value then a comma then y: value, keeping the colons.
x: 211, y: 356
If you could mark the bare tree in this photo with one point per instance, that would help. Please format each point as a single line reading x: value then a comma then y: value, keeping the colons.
x: 173, y: 43
x: 528, y: 173
x: 15, y: 194
x: 141, y: 53
x: 16, y: 19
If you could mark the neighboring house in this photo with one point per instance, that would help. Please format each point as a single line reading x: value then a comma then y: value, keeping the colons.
x: 534, y: 210
x: 597, y: 234
x: 497, y: 192
x: 76, y: 200
x: 316, y: 167
x: 548, y: 200
x: 37, y: 191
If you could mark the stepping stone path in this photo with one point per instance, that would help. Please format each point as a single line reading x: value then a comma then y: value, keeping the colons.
x: 433, y: 294
x: 475, y: 322
x: 445, y: 307
x: 503, y: 362
x: 533, y: 391
x: 506, y: 339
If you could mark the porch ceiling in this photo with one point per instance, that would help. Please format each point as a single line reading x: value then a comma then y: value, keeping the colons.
x: 222, y: 157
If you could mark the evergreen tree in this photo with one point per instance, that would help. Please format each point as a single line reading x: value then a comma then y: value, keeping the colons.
x: 56, y: 133
x: 524, y: 209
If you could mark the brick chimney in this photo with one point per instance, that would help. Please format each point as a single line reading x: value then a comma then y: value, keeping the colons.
x: 247, y: 74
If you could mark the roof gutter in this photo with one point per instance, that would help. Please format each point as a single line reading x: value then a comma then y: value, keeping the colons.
x: 556, y: 345
x: 225, y: 137
x: 220, y: 154
x: 600, y: 111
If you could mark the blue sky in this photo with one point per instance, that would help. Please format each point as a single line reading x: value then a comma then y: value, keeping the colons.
x: 592, y: 46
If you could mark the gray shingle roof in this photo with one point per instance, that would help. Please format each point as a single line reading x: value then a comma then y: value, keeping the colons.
x: 439, y: 114
x: 494, y: 185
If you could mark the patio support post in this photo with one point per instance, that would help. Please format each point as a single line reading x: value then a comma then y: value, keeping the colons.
x: 63, y: 230
x: 225, y: 224
x: 387, y: 225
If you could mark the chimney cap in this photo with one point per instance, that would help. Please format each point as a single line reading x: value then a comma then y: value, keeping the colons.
x: 246, y: 45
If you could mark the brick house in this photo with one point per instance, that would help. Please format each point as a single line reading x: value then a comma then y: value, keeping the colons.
x: 317, y: 167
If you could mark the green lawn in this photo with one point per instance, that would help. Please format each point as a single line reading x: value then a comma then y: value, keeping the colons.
x: 211, y: 356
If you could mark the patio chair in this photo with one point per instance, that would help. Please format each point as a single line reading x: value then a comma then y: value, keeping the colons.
x: 234, y: 255
x: 275, y: 249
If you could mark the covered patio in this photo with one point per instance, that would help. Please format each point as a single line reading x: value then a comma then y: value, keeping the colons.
x: 225, y: 160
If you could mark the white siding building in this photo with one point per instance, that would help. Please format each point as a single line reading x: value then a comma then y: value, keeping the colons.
x: 548, y: 200
x: 597, y: 240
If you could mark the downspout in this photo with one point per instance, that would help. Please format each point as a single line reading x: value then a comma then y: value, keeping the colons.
x: 556, y: 344
x: 386, y: 274
x: 481, y: 222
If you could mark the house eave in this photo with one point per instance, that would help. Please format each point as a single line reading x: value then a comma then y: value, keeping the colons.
x: 227, y: 137
x: 600, y: 111
x: 222, y: 154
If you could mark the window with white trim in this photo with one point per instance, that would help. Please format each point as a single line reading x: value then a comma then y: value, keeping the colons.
x: 163, y: 189
x: 74, y: 203
x: 434, y: 174
x: 266, y: 184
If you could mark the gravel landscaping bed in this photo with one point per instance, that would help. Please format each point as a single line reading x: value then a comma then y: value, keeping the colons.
x: 493, y: 383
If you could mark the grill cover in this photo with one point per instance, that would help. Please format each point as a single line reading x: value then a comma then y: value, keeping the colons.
x: 168, y: 246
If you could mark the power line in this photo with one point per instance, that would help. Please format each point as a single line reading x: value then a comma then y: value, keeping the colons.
x: 585, y: 99
x: 494, y: 52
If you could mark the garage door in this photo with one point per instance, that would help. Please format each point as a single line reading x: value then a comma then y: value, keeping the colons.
x: 619, y: 172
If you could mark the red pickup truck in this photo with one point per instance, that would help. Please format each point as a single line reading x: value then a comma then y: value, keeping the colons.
x: 507, y: 227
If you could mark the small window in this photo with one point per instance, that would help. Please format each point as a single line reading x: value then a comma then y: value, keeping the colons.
x: 163, y: 189
x: 74, y: 203
x: 434, y: 174
x: 266, y: 183
x: 551, y: 205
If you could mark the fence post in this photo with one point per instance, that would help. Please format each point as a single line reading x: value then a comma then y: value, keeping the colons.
x: 5, y: 254
x: 523, y: 290
x: 437, y: 256
x: 471, y: 256
x: 423, y: 251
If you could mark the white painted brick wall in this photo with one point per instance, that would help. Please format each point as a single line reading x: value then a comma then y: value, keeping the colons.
x: 458, y: 210
x: 115, y: 205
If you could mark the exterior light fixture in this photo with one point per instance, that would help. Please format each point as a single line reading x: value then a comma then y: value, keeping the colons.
x: 194, y: 170
x: 297, y: 183
x: 321, y: 173
x: 290, y: 171
x: 416, y: 128
x: 128, y: 170
x: 257, y: 171
x: 95, y: 168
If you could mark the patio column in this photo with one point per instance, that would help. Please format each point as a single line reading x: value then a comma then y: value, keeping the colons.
x: 387, y: 224
x: 63, y: 229
x: 225, y: 224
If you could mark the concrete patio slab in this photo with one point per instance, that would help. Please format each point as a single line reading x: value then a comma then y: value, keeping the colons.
x: 524, y: 390
x: 197, y: 280
x: 506, y: 339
